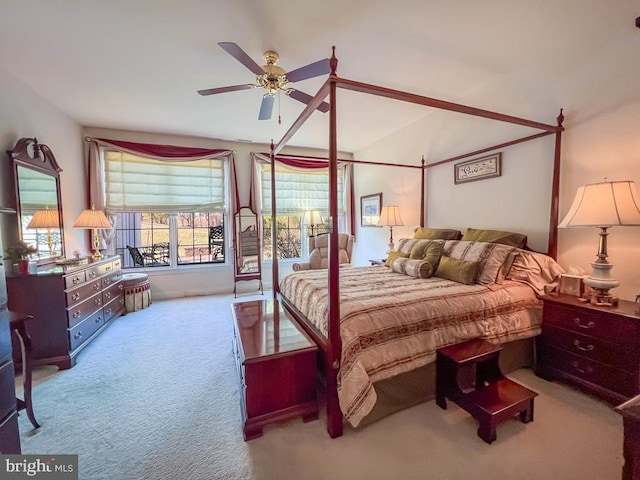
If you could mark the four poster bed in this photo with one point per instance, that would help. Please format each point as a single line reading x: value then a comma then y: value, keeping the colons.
x: 371, y: 323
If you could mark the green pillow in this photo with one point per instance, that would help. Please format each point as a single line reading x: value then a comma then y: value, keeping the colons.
x: 429, y: 251
x: 512, y: 239
x: 436, y: 233
x: 392, y: 256
x: 461, y: 271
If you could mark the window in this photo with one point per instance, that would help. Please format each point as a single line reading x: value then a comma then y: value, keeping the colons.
x: 168, y: 213
x: 297, y: 190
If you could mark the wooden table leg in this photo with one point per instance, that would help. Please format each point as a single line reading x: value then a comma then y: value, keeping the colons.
x: 27, y: 370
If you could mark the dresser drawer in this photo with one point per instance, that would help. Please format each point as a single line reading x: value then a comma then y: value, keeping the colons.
x: 590, y: 372
x: 591, y: 348
x: 10, y: 435
x: 112, y: 292
x: 83, y: 292
x: 111, y: 278
x: 77, y: 313
x: 74, y: 279
x: 83, y: 331
x: 7, y: 386
x: 618, y: 330
x: 113, y: 307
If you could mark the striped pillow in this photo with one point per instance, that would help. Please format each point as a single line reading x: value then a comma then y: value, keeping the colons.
x: 412, y: 267
x: 490, y: 255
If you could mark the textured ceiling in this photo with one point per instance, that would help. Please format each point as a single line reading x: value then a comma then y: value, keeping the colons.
x: 136, y: 64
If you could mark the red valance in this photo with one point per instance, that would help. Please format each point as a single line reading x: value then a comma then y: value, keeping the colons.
x: 163, y: 151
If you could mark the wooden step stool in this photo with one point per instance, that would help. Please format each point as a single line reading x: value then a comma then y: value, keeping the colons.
x: 493, y: 399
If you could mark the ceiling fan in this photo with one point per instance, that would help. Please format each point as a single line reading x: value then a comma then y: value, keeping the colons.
x: 272, y: 78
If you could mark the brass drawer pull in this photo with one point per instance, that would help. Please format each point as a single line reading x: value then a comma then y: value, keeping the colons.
x: 588, y: 348
x: 96, y: 286
x: 76, y: 280
x: 107, y: 281
x: 98, y: 319
x: 75, y: 296
x: 109, y: 311
x: 78, y: 335
x: 92, y: 274
x: 77, y: 314
x: 579, y: 323
x: 108, y: 269
x: 107, y: 294
x: 575, y: 365
x: 97, y: 301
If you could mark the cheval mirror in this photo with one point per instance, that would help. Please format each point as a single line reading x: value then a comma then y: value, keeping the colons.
x: 247, y: 248
x: 38, y: 202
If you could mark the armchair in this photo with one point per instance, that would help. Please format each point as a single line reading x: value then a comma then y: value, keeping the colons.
x: 319, y: 252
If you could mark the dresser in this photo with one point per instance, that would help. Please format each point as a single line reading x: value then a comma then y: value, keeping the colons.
x: 594, y: 348
x: 71, y: 305
x: 9, y: 435
x: 276, y: 365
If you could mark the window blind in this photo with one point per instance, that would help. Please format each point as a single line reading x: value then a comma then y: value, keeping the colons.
x: 298, y: 191
x: 137, y: 184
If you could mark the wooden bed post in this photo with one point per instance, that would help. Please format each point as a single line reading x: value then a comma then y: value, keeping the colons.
x: 274, y: 233
x: 334, y: 355
x: 422, y: 192
x: 552, y: 248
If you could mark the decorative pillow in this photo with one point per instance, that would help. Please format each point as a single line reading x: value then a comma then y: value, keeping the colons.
x: 490, y: 255
x: 457, y: 270
x: 406, y: 245
x: 391, y: 256
x: 436, y: 233
x: 506, y: 267
x: 429, y: 251
x: 517, y: 240
x: 412, y: 267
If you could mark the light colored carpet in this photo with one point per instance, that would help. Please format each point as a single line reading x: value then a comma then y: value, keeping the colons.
x: 156, y: 397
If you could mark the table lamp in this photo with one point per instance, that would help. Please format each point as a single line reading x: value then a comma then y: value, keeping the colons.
x: 95, y: 220
x: 312, y: 218
x: 604, y: 205
x: 390, y: 217
x: 46, y: 219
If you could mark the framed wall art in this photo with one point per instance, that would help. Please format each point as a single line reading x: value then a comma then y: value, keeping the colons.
x: 478, y: 169
x: 370, y: 207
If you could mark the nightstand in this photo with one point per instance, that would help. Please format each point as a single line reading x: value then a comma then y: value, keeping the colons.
x: 594, y: 348
x: 377, y: 261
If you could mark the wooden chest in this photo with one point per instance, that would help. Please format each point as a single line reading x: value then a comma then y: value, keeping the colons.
x: 276, y: 364
x: 595, y: 348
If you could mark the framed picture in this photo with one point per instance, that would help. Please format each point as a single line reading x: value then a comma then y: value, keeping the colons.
x: 478, y: 169
x: 370, y: 207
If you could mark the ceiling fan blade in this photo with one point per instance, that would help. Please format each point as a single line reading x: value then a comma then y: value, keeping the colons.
x: 236, y: 52
x: 315, y: 69
x: 233, y: 88
x: 266, y: 107
x: 304, y: 98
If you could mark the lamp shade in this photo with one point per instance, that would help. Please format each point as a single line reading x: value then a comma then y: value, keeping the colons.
x: 45, y: 219
x: 605, y: 204
x: 312, y: 217
x: 92, y: 218
x: 390, y: 217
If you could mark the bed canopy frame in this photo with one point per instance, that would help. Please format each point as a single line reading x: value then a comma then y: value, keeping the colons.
x: 331, y: 346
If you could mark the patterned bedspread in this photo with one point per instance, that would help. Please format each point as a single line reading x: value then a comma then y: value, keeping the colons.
x: 392, y: 323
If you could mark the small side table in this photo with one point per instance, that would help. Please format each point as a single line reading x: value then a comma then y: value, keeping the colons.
x: 17, y: 322
x: 377, y: 261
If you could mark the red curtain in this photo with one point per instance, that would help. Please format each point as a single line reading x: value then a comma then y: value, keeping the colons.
x: 164, y: 151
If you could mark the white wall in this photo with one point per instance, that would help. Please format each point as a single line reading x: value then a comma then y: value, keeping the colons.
x: 23, y: 113
x: 596, y: 144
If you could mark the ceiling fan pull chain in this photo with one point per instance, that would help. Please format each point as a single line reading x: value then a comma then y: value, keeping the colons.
x: 279, y: 118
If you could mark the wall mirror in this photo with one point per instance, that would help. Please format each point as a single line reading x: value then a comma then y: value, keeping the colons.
x: 247, y: 247
x: 38, y: 201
